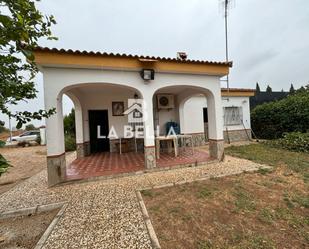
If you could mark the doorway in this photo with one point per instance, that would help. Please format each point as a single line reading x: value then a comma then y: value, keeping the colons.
x: 98, y: 122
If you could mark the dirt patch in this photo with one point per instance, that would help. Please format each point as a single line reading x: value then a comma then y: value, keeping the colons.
x: 258, y: 210
x: 25, y: 161
x: 24, y: 231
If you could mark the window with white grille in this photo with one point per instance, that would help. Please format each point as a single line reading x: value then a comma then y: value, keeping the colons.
x: 232, y: 115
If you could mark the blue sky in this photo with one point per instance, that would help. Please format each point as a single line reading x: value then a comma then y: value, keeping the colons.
x: 269, y: 40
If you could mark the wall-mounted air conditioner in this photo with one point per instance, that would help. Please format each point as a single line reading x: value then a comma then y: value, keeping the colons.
x: 165, y: 101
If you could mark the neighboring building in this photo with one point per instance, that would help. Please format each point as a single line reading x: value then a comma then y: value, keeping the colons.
x: 101, y: 85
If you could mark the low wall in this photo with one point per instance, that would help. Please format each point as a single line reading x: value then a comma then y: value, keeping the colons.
x: 237, y: 135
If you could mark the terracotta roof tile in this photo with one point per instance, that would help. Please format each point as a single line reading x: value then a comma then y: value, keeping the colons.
x: 238, y: 90
x: 84, y: 52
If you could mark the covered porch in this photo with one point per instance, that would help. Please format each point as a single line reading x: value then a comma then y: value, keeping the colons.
x: 101, y: 87
x: 115, y: 164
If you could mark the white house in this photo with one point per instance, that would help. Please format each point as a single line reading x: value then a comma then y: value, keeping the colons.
x: 100, y: 86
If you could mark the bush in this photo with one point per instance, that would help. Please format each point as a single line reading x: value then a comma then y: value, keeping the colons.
x: 2, y: 144
x: 30, y: 127
x: 272, y: 120
x: 4, y: 164
x: 295, y: 141
x: 70, y: 143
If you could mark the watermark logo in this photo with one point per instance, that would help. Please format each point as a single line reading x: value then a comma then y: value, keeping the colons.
x: 135, y: 111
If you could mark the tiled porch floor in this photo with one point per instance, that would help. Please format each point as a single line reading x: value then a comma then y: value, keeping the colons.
x: 104, y: 164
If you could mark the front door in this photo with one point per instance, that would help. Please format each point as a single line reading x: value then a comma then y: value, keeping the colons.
x: 98, y: 118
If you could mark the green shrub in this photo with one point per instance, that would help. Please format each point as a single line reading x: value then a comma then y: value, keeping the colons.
x: 2, y: 144
x: 4, y: 164
x: 272, y: 120
x: 70, y: 143
x: 295, y: 141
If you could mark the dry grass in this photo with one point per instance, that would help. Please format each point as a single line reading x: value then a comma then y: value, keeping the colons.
x: 25, y: 163
x: 267, y: 209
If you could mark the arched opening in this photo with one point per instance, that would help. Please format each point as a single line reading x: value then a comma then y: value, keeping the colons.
x: 102, y: 145
x: 178, y: 111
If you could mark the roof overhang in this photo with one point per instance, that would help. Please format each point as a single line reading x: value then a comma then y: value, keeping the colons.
x: 237, y: 92
x: 45, y: 57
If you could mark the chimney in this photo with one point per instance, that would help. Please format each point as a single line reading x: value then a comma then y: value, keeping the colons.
x: 182, y: 55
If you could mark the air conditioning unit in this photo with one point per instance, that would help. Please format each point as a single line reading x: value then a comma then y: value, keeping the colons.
x: 165, y: 101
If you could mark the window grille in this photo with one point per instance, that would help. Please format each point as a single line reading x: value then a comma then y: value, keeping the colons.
x: 232, y: 115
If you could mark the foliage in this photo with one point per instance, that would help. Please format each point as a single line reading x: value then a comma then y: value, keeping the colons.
x: 272, y: 120
x: 69, y: 123
x: 294, y: 141
x: 2, y: 144
x: 4, y: 164
x: 292, y: 90
x: 2, y: 127
x: 30, y: 127
x: 22, y: 25
x: 257, y: 88
x: 268, y: 89
x: 70, y: 143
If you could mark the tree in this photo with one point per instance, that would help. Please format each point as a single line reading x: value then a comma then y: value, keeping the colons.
x: 21, y: 27
x: 291, y: 114
x: 302, y: 89
x: 257, y: 88
x: 69, y: 123
x: 30, y: 127
x: 2, y: 127
x: 292, y: 90
x: 268, y: 89
x: 69, y: 131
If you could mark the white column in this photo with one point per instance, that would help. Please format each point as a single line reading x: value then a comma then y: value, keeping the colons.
x: 215, y: 126
x: 149, y: 139
x: 56, y: 165
x: 54, y: 126
x: 215, y: 117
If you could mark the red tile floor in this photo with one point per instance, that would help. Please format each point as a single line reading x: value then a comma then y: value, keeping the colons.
x: 105, y: 163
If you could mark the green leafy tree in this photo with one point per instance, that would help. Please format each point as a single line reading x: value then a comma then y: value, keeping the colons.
x: 269, y: 89
x: 21, y: 26
x: 2, y: 127
x: 69, y: 123
x: 69, y: 131
x: 30, y: 127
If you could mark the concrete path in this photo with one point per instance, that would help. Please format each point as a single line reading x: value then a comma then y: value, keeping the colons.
x: 106, y: 214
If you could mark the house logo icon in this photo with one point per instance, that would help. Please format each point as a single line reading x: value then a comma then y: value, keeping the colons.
x: 134, y: 111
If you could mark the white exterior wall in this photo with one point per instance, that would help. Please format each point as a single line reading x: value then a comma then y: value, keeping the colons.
x: 100, y: 98
x: 60, y: 80
x: 193, y: 111
x: 238, y: 102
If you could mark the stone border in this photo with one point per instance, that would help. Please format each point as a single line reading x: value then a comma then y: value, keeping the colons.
x: 36, y: 210
x: 153, y: 237
x: 152, y: 234
x: 140, y: 172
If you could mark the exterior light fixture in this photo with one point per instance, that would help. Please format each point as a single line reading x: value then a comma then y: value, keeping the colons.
x: 147, y: 74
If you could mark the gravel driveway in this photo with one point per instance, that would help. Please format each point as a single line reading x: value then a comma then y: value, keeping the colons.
x: 106, y: 214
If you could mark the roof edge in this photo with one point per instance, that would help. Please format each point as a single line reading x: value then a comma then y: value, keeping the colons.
x: 122, y: 55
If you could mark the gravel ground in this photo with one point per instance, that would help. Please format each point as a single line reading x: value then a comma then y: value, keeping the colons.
x: 106, y: 214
